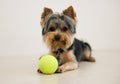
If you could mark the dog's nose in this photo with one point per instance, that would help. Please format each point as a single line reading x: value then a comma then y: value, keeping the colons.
x: 57, y: 37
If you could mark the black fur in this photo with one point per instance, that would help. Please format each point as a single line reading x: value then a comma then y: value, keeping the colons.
x: 78, y: 48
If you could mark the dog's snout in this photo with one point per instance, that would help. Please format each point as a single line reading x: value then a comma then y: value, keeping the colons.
x: 57, y: 37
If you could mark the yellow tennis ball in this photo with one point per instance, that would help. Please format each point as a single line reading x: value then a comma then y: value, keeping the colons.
x: 48, y: 64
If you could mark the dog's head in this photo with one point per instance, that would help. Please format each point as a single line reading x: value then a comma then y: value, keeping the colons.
x: 58, y: 29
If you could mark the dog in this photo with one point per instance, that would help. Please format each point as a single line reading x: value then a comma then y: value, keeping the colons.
x: 58, y: 31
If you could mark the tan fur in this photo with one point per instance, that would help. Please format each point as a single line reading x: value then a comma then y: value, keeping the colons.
x: 88, y: 57
x: 63, y: 43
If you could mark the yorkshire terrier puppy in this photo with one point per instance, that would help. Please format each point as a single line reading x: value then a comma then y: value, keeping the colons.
x: 58, y: 32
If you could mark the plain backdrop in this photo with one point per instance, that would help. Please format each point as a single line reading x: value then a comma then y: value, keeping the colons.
x: 20, y: 30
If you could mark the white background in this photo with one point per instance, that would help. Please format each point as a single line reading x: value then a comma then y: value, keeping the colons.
x: 20, y: 31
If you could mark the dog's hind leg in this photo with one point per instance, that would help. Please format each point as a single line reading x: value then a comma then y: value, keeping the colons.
x: 87, y: 56
x: 87, y: 53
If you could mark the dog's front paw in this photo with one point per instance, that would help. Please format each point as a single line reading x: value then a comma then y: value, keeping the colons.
x: 67, y: 67
x: 61, y: 69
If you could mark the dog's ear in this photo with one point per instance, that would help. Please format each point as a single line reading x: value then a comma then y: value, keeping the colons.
x: 46, y: 11
x: 70, y: 12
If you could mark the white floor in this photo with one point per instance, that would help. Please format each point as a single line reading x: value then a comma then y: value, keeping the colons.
x: 22, y: 70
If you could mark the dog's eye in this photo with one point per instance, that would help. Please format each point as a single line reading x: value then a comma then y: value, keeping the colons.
x: 51, y: 29
x: 64, y: 29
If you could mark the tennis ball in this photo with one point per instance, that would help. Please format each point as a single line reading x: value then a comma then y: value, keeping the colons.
x: 48, y: 64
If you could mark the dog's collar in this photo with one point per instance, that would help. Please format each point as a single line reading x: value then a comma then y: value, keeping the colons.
x: 60, y: 50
